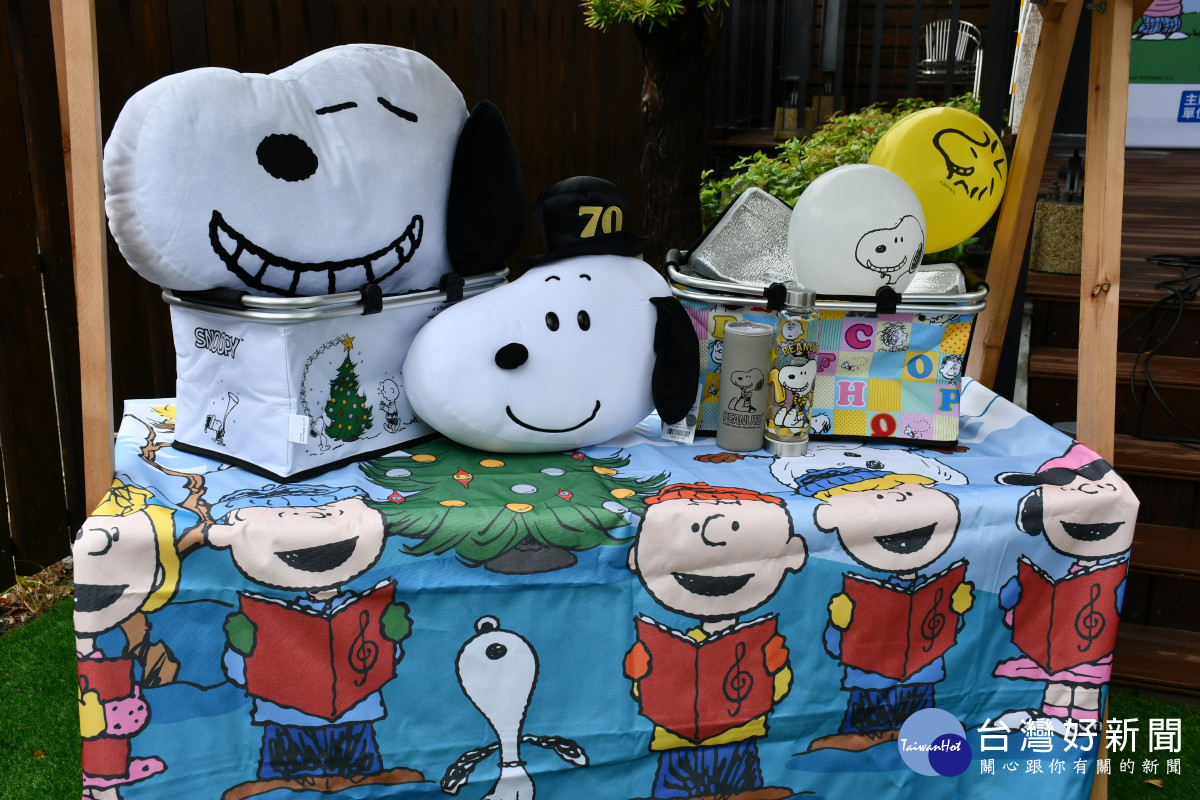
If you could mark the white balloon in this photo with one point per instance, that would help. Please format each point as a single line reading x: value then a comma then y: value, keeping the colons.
x: 855, y: 229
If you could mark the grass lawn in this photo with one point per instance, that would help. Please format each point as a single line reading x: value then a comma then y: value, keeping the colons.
x: 39, y: 720
x: 1139, y: 784
x: 39, y: 724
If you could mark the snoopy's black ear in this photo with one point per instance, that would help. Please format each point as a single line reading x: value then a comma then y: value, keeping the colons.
x: 485, y: 214
x: 676, y: 374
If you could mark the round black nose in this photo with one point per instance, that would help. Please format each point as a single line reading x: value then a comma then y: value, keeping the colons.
x: 287, y: 157
x: 496, y: 651
x: 511, y: 356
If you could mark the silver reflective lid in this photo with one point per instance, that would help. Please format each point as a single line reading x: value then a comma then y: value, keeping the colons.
x: 940, y: 278
x: 749, y: 243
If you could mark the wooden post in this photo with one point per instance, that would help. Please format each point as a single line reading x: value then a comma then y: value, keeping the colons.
x: 75, y: 53
x: 1060, y: 19
x: 1104, y: 185
x: 1100, y: 278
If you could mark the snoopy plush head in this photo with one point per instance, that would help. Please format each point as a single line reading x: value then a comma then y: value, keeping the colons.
x: 580, y: 348
x: 319, y: 178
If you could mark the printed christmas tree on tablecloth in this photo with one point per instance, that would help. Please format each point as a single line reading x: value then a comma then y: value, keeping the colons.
x: 348, y: 412
x: 486, y: 505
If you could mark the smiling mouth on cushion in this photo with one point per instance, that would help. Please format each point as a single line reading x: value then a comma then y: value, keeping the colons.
x: 508, y: 410
x: 1093, y: 532
x: 711, y: 585
x: 93, y: 597
x: 321, y: 558
x: 261, y: 269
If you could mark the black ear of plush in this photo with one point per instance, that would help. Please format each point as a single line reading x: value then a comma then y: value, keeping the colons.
x: 485, y: 214
x: 676, y: 374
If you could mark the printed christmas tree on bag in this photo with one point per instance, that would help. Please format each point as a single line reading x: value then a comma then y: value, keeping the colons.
x: 347, y: 409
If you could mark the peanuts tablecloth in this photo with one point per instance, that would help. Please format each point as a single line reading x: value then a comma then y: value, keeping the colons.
x: 636, y: 619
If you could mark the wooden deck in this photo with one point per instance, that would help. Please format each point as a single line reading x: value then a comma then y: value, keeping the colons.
x: 1162, y: 205
x: 1159, y: 644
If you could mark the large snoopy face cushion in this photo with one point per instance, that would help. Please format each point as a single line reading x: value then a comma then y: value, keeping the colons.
x: 570, y: 354
x: 315, y: 179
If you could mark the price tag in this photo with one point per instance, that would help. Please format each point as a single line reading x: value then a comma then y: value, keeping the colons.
x: 298, y: 429
x: 685, y: 429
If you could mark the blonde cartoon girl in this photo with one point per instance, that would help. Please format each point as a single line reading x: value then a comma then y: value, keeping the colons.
x: 125, y: 564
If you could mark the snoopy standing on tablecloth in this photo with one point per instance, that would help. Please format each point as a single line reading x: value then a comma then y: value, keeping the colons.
x: 498, y: 670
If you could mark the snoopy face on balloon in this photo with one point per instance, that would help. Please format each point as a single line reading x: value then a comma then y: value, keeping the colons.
x: 976, y: 165
x: 892, y: 252
x: 315, y: 179
x: 856, y: 229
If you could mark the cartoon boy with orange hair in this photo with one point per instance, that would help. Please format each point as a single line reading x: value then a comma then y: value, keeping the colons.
x: 125, y: 564
x: 714, y: 554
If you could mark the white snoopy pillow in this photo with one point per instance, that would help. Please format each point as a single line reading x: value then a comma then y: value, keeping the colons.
x: 562, y: 357
x: 579, y: 349
x: 319, y: 178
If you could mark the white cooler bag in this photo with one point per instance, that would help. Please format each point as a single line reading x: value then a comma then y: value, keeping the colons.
x: 288, y: 387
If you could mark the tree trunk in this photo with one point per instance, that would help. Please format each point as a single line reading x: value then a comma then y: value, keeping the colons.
x: 677, y: 63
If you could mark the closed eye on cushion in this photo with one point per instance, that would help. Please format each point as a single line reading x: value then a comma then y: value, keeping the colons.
x: 399, y: 112
x: 338, y: 107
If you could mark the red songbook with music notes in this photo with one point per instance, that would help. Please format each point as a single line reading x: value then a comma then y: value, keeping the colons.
x: 700, y: 689
x: 896, y: 631
x: 321, y: 664
x: 1072, y: 621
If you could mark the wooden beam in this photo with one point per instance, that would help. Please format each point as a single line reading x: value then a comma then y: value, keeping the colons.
x: 1100, y: 277
x: 75, y: 51
x: 1104, y: 187
x: 1060, y: 19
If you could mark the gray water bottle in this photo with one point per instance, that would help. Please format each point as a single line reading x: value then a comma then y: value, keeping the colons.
x: 742, y: 396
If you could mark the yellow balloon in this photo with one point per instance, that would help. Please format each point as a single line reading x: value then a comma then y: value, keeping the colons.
x: 955, y: 164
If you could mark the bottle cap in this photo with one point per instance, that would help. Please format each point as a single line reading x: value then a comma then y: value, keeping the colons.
x: 798, y: 297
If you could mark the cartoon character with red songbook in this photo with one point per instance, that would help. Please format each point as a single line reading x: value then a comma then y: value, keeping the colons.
x: 713, y: 554
x: 314, y: 665
x: 1066, y: 626
x: 125, y: 564
x: 890, y: 634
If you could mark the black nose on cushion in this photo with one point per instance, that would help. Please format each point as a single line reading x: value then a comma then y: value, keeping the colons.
x: 287, y: 157
x: 511, y: 356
